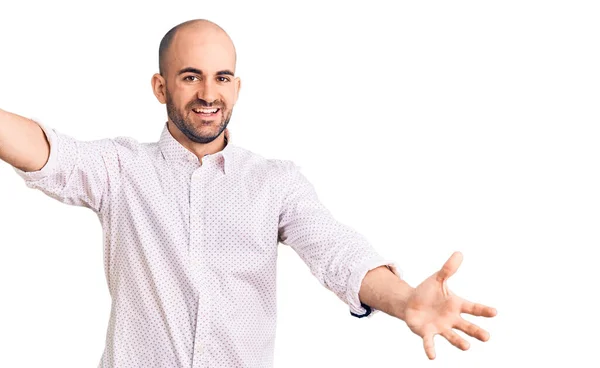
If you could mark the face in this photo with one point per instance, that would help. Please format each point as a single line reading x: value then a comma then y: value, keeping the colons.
x: 200, y: 88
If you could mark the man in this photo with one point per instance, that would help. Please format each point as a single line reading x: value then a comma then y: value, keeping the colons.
x: 192, y: 223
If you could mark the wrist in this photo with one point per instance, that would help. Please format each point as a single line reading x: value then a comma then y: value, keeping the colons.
x: 383, y: 290
x: 402, y: 293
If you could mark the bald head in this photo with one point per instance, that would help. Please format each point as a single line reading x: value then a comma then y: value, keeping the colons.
x: 200, y: 30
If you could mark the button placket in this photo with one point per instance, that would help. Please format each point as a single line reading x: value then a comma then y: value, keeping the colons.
x: 199, y: 270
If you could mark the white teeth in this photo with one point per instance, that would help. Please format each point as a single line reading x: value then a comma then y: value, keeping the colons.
x: 206, y: 111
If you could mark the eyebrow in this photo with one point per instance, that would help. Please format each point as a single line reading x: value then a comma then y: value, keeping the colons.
x: 198, y: 71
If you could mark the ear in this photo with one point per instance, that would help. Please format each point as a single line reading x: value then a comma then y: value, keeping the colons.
x: 159, y: 87
x: 238, y: 85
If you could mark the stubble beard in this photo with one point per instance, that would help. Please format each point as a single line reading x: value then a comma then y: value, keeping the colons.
x: 187, y: 127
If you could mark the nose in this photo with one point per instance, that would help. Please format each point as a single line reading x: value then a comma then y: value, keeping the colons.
x: 207, y: 92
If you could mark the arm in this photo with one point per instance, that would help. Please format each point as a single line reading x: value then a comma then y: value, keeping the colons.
x: 23, y: 143
x: 69, y: 170
x: 337, y: 255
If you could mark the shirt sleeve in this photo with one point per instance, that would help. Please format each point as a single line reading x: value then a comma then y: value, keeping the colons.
x: 77, y: 172
x: 337, y: 255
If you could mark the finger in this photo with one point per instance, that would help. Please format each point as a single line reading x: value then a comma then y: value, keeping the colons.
x: 450, y: 267
x: 472, y: 330
x: 477, y: 309
x: 456, y: 340
x: 429, y: 346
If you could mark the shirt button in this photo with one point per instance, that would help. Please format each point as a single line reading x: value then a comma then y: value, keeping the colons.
x: 199, y: 349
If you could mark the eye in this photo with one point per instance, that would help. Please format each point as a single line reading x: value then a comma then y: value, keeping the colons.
x: 190, y: 78
x: 223, y: 79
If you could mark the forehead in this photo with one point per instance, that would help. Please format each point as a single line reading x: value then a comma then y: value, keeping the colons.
x: 207, y: 50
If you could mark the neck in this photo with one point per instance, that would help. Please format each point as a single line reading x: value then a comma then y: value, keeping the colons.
x: 199, y: 149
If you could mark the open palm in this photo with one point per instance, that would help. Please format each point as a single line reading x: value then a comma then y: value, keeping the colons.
x: 432, y: 310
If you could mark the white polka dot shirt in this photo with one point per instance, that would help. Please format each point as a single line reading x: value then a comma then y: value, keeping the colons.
x: 190, y: 246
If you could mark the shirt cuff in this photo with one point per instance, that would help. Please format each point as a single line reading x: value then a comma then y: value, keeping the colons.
x: 357, y: 308
x: 52, y: 138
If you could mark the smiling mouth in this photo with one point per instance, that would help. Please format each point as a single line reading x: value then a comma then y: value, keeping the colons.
x: 206, y: 112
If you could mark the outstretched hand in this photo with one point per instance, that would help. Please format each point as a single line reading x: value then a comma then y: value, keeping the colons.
x: 432, y: 310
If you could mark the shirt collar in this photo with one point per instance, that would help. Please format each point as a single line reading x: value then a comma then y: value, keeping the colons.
x: 172, y: 150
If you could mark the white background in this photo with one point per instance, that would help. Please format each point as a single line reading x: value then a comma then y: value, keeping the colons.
x: 429, y: 127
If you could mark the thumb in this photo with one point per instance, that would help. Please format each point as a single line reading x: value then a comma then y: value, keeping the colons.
x: 449, y: 268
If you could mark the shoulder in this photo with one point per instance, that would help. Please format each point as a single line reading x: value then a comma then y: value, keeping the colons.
x: 129, y: 144
x: 129, y: 148
x: 252, y: 163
